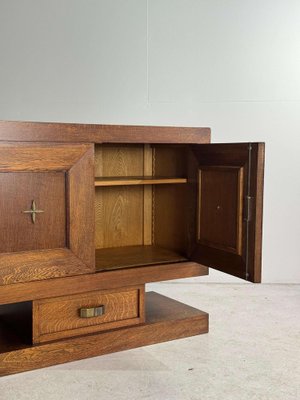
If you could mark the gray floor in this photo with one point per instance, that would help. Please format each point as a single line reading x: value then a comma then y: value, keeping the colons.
x: 252, y: 352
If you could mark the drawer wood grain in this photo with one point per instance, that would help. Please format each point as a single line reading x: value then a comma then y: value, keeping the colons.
x: 68, y: 316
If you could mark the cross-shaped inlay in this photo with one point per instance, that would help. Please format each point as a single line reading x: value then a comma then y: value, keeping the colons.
x: 33, y: 211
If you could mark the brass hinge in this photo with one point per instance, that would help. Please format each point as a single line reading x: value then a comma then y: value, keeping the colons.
x: 249, y: 208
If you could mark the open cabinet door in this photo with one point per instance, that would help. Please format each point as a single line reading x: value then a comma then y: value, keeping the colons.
x: 228, y: 183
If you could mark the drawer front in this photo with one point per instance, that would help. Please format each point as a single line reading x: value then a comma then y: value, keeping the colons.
x: 85, y: 313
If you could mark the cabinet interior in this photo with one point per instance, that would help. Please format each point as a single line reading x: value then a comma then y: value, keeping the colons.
x: 15, y: 326
x: 140, y: 204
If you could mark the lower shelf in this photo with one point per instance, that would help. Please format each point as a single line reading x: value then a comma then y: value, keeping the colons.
x: 134, y: 256
x: 166, y: 319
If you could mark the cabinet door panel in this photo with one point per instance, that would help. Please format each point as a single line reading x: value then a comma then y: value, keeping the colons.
x: 228, y: 212
x: 17, y: 191
x: 46, y: 211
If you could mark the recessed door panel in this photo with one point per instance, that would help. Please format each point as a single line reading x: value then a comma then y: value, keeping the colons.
x: 46, y: 211
x: 32, y: 210
x: 219, y: 207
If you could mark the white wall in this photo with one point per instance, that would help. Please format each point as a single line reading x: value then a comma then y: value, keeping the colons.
x: 229, y: 64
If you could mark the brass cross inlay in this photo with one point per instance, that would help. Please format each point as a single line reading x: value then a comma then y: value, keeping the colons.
x: 33, y: 211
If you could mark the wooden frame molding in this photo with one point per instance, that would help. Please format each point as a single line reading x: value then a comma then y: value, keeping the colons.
x: 78, y: 257
x: 100, y: 281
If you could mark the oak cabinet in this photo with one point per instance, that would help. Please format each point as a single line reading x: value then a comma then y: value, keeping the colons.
x: 91, y: 213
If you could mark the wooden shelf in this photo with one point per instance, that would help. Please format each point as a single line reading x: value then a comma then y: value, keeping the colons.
x: 137, y: 180
x: 134, y: 256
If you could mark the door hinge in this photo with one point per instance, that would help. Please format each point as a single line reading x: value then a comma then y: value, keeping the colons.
x: 249, y: 208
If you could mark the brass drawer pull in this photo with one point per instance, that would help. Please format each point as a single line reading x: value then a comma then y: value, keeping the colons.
x: 92, y: 312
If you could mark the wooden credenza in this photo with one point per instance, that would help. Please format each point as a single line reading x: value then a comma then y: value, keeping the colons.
x: 91, y: 213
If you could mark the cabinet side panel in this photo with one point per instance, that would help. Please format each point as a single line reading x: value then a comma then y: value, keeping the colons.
x: 169, y: 201
x: 169, y: 222
x: 148, y: 195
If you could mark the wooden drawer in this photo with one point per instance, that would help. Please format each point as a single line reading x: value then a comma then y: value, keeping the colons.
x: 68, y: 316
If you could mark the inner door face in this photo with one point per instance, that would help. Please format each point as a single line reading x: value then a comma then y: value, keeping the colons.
x: 229, y: 182
x: 46, y: 211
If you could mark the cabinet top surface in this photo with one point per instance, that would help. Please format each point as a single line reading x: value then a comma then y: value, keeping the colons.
x: 96, y: 133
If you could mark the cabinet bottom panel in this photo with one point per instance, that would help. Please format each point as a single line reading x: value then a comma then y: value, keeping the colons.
x: 135, y: 256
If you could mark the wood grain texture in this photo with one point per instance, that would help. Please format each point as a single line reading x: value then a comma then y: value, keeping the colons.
x: 134, y: 256
x: 169, y: 216
x: 119, y: 160
x: 58, y: 317
x: 119, y: 210
x: 74, y: 220
x: 39, y: 264
x: 17, y: 191
x: 66, y: 132
x: 97, y: 281
x: 220, y: 203
x: 244, y: 260
x: 39, y: 157
x: 211, y: 158
x: 170, y: 160
x: 119, y: 216
x: 148, y: 196
x: 166, y: 319
x: 81, y: 216
x: 256, y: 224
x: 170, y: 205
x: 138, y: 180
x: 128, y: 217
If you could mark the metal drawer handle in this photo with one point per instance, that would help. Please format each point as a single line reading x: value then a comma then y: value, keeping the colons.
x: 91, y: 312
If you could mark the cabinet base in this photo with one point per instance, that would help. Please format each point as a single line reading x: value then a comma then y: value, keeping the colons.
x: 166, y: 319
